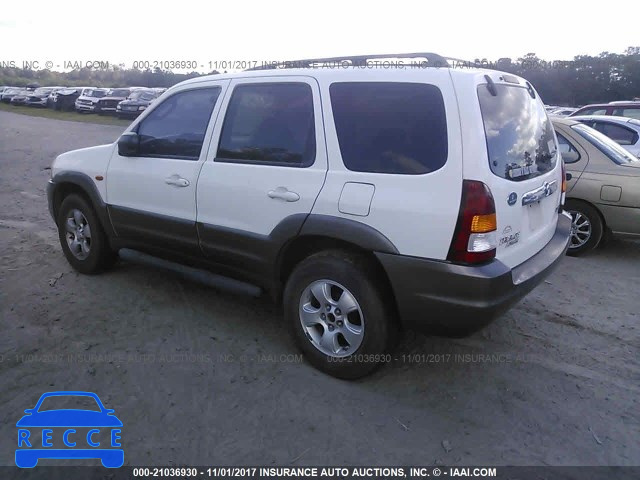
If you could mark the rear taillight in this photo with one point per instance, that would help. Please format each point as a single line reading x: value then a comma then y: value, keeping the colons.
x: 564, y: 177
x: 475, y: 240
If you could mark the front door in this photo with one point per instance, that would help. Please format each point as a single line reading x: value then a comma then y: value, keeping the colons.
x: 151, y: 196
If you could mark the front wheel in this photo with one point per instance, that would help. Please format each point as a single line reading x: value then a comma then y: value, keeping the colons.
x: 338, y: 313
x: 586, y: 227
x: 82, y: 237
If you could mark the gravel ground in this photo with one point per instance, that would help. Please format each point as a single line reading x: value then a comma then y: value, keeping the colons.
x: 202, y: 377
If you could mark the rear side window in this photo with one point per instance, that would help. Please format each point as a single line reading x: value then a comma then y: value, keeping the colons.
x: 592, y: 111
x: 520, y: 141
x: 177, y: 126
x: 390, y: 127
x: 270, y: 123
x: 568, y: 151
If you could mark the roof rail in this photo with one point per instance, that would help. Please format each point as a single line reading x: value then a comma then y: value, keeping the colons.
x: 357, y: 60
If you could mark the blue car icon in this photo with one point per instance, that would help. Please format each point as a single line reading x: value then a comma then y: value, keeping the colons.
x: 101, y: 422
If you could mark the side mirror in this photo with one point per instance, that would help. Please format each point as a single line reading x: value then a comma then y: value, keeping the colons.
x: 109, y: 411
x: 129, y: 144
x: 29, y: 410
x: 570, y: 156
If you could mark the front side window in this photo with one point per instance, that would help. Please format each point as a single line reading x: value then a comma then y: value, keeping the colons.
x: 519, y: 135
x: 385, y: 127
x: 270, y: 123
x: 176, y: 128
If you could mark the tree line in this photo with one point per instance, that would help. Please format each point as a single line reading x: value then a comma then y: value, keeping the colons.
x: 585, y: 79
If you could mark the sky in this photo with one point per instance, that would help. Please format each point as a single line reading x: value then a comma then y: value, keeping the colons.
x: 255, y: 31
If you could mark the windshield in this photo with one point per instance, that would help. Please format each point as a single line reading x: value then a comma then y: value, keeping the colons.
x: 118, y: 92
x: 69, y: 402
x: 520, y: 140
x: 603, y: 143
x: 95, y: 93
x: 145, y: 95
x: 42, y: 91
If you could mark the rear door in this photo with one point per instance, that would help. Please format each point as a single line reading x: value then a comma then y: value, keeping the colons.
x: 266, y: 166
x: 520, y: 163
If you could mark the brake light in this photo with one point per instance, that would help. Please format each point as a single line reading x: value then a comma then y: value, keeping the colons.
x: 475, y: 240
x: 564, y: 177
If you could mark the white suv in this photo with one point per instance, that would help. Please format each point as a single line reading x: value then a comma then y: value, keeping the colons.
x: 364, y: 199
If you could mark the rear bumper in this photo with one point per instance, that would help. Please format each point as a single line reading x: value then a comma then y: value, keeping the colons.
x: 433, y: 294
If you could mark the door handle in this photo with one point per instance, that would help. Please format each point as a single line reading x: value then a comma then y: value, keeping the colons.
x: 177, y: 181
x: 282, y: 193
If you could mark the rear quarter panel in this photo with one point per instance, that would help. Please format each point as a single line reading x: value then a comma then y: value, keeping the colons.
x: 417, y: 213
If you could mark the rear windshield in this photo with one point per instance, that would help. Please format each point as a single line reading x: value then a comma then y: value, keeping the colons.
x: 603, y: 143
x: 520, y: 141
x: 95, y: 93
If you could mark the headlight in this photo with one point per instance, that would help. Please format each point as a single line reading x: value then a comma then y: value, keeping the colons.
x: 141, y: 107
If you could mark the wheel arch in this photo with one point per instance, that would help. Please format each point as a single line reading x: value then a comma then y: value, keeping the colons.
x: 67, y: 183
x: 591, y: 204
x: 360, y: 240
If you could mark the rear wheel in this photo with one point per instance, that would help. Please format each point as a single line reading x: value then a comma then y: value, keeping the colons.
x: 337, y: 313
x: 82, y: 237
x: 586, y: 228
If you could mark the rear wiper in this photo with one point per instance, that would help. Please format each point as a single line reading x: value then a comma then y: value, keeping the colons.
x: 491, y: 86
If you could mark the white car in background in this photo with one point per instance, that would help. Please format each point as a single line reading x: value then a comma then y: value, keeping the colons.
x: 623, y: 130
x: 562, y: 111
x: 88, y: 99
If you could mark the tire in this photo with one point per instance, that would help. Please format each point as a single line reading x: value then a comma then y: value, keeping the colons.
x: 587, y: 227
x: 360, y: 339
x: 87, y: 253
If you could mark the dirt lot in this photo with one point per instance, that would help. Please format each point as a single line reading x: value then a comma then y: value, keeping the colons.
x: 203, y: 377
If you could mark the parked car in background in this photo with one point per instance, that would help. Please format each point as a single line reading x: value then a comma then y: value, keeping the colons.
x: 64, y: 100
x: 8, y: 93
x: 51, y: 97
x: 603, y: 185
x: 39, y: 97
x: 109, y: 103
x: 619, y: 109
x: 562, y: 111
x: 20, y: 98
x: 625, y: 131
x: 88, y: 99
x: 137, y: 102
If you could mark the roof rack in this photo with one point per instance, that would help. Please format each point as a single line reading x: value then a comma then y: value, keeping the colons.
x: 357, y: 60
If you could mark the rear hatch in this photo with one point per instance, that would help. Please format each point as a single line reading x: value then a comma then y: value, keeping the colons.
x: 525, y: 166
